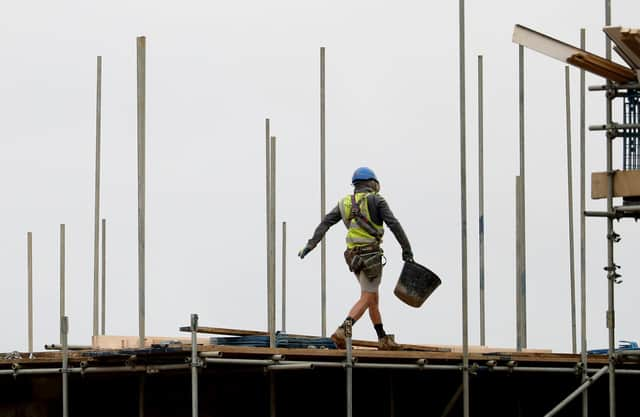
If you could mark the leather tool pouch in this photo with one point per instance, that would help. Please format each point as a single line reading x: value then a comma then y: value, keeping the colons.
x: 369, y: 262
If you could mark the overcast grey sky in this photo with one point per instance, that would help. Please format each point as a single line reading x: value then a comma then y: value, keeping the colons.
x: 215, y: 70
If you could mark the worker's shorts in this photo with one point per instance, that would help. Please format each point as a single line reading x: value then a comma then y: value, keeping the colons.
x: 367, y: 284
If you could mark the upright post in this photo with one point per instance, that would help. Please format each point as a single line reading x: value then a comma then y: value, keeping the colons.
x: 104, y: 277
x: 284, y: 277
x: 572, y: 275
x: 64, y: 331
x: 611, y: 266
x: 141, y: 52
x: 269, y: 240
x: 272, y: 226
x: 96, y: 217
x: 62, y: 276
x: 519, y: 333
x: 323, y: 204
x: 195, y: 363
x: 481, y: 194
x: 349, y: 366
x: 30, y: 293
x: 463, y: 216
x: 583, y: 246
x: 523, y: 225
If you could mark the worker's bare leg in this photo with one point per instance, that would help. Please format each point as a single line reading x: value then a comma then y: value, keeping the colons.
x: 365, y: 302
x: 374, y: 311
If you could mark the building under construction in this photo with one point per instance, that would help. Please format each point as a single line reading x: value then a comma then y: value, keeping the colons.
x: 279, y: 374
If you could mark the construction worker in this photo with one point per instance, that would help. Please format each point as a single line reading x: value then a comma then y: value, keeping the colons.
x: 363, y: 213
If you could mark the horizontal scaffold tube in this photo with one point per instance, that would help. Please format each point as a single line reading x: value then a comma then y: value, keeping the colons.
x: 296, y: 365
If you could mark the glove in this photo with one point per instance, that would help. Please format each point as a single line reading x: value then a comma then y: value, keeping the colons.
x: 407, y: 256
x: 304, y: 251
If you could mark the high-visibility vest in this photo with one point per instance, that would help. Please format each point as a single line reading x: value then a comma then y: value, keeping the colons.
x: 361, y: 230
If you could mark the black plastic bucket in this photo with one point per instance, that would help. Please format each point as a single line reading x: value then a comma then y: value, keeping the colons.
x: 416, y: 283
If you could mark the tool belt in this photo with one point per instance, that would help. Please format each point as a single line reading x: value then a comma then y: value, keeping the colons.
x: 367, y: 259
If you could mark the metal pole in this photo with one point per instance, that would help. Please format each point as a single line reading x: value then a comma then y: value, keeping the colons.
x: 611, y: 266
x: 272, y: 277
x: 463, y: 216
x: 284, y: 277
x: 519, y: 342
x: 195, y: 363
x: 104, y: 276
x: 349, y: 366
x: 62, y: 277
x: 268, y: 225
x: 141, y: 383
x: 30, y: 293
x: 64, y: 331
x: 572, y: 276
x: 583, y: 387
x: 583, y: 246
x: 141, y: 52
x: 323, y: 205
x: 452, y: 402
x: 481, y: 194
x: 523, y: 225
x: 96, y: 217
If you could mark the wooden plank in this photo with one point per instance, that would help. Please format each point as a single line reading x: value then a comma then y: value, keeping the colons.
x: 130, y: 342
x: 367, y: 343
x: 625, y: 184
x: 627, y: 41
x: 355, y: 342
x: 570, y: 54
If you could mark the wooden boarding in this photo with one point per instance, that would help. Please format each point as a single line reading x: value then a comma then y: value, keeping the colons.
x: 371, y: 344
x: 355, y: 342
x: 131, y: 342
x: 625, y: 184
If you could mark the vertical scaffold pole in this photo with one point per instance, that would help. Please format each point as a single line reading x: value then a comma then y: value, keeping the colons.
x: 195, y: 363
x: 519, y: 310
x: 323, y: 204
x: 268, y: 212
x: 463, y: 215
x: 481, y: 194
x: 611, y: 266
x: 284, y: 277
x: 349, y: 365
x: 523, y: 225
x: 583, y: 246
x: 62, y: 276
x: 96, y: 218
x: 30, y: 293
x: 64, y: 331
x: 104, y: 277
x: 572, y: 272
x: 272, y: 226
x: 141, y: 54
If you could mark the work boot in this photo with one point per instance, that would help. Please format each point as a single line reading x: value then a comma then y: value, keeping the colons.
x: 339, y: 338
x: 388, y: 342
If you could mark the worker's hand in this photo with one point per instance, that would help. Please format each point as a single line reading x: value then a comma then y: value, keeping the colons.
x: 303, y: 252
x: 407, y: 256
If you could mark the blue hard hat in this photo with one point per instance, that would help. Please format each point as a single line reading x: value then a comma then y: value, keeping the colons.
x: 363, y: 174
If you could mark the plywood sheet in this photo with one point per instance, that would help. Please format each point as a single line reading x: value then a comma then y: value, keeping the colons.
x: 625, y: 184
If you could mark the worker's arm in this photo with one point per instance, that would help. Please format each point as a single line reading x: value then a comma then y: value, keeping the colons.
x: 390, y: 220
x: 329, y: 220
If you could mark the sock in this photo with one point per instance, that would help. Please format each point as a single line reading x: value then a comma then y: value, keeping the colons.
x: 379, y: 330
x: 353, y: 321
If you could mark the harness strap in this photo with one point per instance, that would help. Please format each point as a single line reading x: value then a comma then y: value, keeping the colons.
x: 361, y: 219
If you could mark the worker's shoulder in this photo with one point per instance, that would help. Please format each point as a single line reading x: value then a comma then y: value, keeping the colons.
x: 377, y: 198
